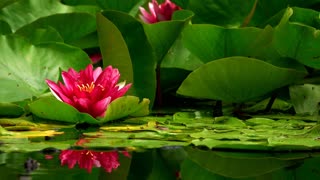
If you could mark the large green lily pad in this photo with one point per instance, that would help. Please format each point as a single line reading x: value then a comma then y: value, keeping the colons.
x: 25, y: 66
x: 236, y: 79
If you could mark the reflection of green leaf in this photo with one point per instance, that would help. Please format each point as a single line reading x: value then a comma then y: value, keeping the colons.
x: 305, y: 98
x: 25, y: 67
x: 232, y: 166
x: 236, y: 79
x: 124, y: 45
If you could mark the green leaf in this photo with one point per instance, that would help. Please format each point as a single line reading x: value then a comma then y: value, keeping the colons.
x: 71, y: 26
x: 126, y: 106
x: 163, y: 34
x: 236, y: 79
x: 297, y: 41
x: 10, y: 109
x: 124, y: 45
x: 305, y: 98
x: 41, y: 35
x: 21, y: 13
x: 131, y: 7
x: 25, y: 66
x: 233, y: 13
x: 52, y: 109
x: 278, y: 104
x: 4, y: 28
x: 210, y: 42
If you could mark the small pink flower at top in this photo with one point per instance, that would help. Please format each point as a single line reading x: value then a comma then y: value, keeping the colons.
x: 87, y: 159
x: 162, y: 12
x: 95, y: 58
x: 90, y: 90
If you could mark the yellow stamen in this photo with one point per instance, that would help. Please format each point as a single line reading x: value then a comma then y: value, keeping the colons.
x: 86, y: 87
x: 102, y: 88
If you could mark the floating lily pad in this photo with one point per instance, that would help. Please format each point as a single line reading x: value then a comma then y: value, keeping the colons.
x: 236, y: 79
x: 52, y: 109
x: 10, y: 109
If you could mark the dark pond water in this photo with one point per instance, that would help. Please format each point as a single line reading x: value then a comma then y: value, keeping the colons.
x: 162, y: 163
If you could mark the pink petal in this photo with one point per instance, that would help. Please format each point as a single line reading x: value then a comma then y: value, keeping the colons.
x: 58, y: 92
x: 96, y: 73
x: 95, y: 57
x: 68, y: 80
x: 100, y: 107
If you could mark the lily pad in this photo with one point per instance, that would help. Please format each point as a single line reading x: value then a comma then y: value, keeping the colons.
x: 32, y: 10
x: 127, y: 106
x: 42, y: 35
x: 236, y: 79
x: 25, y: 66
x: 305, y: 99
x: 130, y: 7
x: 10, y: 109
x: 163, y: 34
x: 70, y: 26
x: 52, y: 109
x: 297, y: 40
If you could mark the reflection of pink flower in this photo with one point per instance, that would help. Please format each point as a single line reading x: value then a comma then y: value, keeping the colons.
x: 87, y: 159
x: 90, y: 91
x: 95, y: 57
x: 162, y: 12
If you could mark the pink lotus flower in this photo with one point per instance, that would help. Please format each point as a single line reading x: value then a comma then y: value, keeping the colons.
x: 95, y: 58
x: 162, y: 12
x: 87, y: 159
x: 90, y: 91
